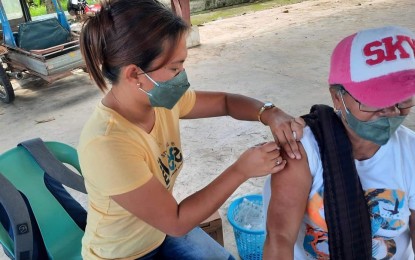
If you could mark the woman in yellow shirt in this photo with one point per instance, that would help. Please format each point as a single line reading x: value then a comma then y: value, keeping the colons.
x: 130, y: 149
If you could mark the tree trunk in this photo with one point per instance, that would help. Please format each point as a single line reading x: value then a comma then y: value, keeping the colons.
x: 49, y: 6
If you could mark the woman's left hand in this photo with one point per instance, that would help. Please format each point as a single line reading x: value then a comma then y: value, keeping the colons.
x: 286, y: 130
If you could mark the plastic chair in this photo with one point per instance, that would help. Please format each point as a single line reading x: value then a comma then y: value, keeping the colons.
x: 22, y: 171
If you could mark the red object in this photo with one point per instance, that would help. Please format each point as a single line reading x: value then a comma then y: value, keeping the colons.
x: 80, y: 7
x: 94, y: 8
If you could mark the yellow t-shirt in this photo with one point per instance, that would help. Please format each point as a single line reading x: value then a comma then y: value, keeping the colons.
x: 117, y: 157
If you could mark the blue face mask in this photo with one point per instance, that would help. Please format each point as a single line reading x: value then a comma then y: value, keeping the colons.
x: 377, y: 131
x: 167, y: 94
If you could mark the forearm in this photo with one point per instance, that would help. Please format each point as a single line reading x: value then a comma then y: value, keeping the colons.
x: 283, y: 223
x: 176, y: 219
x: 284, y: 250
x: 200, y: 205
x: 213, y: 104
x: 257, y: 161
x: 412, y: 228
x: 242, y: 107
x: 413, y: 241
x: 246, y: 108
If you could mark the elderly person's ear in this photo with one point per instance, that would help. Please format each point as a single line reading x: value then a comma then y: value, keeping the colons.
x: 335, y: 96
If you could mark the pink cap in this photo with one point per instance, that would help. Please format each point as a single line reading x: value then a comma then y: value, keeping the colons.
x: 376, y: 66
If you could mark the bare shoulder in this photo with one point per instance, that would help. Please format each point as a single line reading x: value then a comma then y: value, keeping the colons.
x: 295, y: 174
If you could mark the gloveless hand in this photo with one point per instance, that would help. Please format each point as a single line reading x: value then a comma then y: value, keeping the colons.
x: 286, y: 130
x: 260, y: 160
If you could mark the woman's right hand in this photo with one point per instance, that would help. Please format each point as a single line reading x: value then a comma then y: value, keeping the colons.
x: 260, y: 160
x: 178, y: 219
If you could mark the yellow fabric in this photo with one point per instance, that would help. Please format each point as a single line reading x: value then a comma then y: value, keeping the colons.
x: 117, y: 157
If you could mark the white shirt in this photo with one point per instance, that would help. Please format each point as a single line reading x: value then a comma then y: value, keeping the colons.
x: 388, y: 181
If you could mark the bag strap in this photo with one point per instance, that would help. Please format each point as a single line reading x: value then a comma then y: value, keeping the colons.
x: 52, y: 166
x: 19, y: 218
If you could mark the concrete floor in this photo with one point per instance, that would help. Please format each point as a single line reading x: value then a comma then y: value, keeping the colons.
x: 281, y: 55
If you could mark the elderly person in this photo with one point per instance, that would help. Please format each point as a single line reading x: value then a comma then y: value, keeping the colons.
x: 352, y: 195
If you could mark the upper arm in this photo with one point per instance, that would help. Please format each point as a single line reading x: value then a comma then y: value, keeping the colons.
x: 289, y: 194
x: 149, y: 200
x: 208, y: 104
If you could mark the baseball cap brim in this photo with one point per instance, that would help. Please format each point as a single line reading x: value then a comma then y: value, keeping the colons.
x: 400, y: 87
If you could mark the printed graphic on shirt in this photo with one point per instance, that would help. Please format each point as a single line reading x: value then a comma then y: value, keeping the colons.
x: 316, y: 240
x: 169, y: 162
x: 385, y: 208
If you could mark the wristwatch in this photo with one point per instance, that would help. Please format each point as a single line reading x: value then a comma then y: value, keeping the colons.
x: 266, y: 106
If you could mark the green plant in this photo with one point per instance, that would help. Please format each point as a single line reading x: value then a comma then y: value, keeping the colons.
x: 39, y: 8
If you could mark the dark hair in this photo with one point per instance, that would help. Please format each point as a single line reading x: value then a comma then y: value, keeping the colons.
x: 128, y: 32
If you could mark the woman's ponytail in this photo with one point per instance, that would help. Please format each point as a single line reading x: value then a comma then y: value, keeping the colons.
x: 93, y: 44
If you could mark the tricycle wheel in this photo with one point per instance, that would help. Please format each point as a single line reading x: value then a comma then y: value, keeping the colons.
x: 6, y: 88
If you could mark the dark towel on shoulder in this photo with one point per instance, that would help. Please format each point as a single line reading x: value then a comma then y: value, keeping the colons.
x: 345, y: 207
